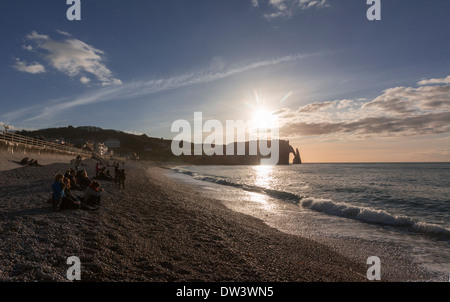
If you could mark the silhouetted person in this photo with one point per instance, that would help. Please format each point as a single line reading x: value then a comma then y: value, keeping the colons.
x: 93, y: 194
x: 121, y: 178
x: 116, y: 173
x: 69, y: 202
x: 78, y: 162
x: 83, y: 180
x: 103, y: 175
x: 97, y: 169
x: 72, y: 202
x: 71, y: 175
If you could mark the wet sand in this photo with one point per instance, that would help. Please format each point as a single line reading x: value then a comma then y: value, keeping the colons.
x: 153, y: 230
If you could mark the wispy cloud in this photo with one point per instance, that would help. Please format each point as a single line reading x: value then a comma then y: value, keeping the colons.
x: 71, y: 57
x: 314, y: 107
x: 64, y: 33
x: 141, y: 88
x: 286, y: 8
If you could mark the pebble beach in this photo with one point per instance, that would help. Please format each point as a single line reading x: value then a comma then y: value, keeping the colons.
x: 154, y: 230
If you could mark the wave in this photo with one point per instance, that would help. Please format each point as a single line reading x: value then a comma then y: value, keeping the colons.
x: 362, y: 214
x: 373, y: 216
x: 282, y: 195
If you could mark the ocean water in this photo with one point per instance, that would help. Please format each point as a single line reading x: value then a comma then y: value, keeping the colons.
x: 406, y: 205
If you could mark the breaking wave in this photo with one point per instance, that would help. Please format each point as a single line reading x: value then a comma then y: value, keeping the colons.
x: 373, y: 216
x: 327, y: 206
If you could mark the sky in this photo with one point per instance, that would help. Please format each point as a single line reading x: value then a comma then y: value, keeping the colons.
x: 343, y: 88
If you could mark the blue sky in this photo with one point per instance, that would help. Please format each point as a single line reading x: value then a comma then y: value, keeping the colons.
x: 344, y: 88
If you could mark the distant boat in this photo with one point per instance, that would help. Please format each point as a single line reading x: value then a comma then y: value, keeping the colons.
x: 297, y: 158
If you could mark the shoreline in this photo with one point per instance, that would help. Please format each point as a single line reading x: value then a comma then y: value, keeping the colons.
x: 155, y: 230
x: 401, y: 262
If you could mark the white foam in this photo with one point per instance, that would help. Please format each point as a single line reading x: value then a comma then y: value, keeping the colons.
x: 374, y: 216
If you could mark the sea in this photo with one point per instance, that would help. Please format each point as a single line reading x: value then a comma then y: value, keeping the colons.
x: 398, y: 212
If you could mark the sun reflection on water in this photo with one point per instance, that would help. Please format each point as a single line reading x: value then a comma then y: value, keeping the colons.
x: 263, y: 176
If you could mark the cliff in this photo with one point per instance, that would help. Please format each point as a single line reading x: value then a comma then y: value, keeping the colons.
x: 156, y: 149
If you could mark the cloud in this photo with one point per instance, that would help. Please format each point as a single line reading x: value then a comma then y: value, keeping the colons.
x: 138, y: 133
x: 427, y: 124
x: 399, y: 111
x: 27, y: 47
x: 287, y: 8
x: 313, y: 107
x: 435, y: 81
x: 405, y: 100
x: 85, y: 80
x: 64, y: 33
x: 217, y: 64
x: 141, y: 88
x: 10, y: 127
x: 73, y: 57
x: 33, y: 68
x: 2, y: 126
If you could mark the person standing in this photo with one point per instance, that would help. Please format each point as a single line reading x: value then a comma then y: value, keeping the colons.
x: 78, y: 162
x: 116, y: 173
x: 97, y: 169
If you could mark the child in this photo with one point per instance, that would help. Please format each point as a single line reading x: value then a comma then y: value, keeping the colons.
x: 58, y: 192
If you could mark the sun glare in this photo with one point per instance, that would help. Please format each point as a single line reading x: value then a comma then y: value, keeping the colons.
x: 262, y: 118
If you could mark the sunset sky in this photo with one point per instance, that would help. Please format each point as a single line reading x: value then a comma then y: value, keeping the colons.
x: 344, y: 89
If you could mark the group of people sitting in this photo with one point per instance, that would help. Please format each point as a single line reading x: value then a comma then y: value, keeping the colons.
x: 29, y: 162
x: 102, y: 173
x: 62, y: 197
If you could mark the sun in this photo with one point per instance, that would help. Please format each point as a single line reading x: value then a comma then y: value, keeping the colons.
x: 262, y: 118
